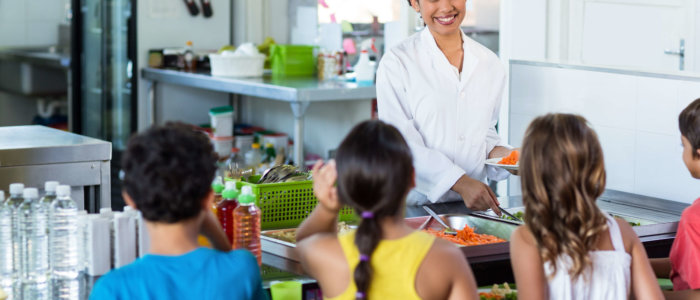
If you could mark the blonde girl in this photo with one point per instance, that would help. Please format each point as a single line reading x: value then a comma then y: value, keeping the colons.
x: 569, y: 248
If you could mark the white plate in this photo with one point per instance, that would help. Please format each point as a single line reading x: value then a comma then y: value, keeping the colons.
x: 494, y: 162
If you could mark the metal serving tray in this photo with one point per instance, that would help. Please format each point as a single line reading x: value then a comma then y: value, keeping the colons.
x: 480, y: 253
x: 648, y: 227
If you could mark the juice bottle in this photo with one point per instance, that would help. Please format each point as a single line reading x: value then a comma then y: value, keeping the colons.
x: 218, y: 186
x: 224, y: 211
x: 246, y: 223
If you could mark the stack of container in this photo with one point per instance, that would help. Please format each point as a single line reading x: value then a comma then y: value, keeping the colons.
x: 222, y: 130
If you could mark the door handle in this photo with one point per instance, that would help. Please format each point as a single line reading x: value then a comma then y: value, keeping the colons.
x: 680, y: 52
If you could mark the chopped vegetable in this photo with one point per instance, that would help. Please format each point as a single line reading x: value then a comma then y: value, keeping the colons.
x: 511, y: 159
x: 631, y: 223
x: 499, y: 293
x: 518, y: 215
x: 467, y: 237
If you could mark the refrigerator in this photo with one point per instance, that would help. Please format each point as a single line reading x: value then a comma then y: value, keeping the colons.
x: 104, y: 52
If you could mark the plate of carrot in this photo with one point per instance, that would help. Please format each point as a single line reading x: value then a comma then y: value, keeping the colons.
x: 510, y: 162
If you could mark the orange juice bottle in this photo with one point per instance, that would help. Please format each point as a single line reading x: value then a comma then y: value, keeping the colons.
x: 217, y: 185
x: 246, y: 224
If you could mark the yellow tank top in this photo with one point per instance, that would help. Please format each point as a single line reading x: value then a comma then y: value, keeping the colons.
x: 394, y: 263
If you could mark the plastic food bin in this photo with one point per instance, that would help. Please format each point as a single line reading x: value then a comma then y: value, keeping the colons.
x: 236, y: 66
x: 294, y: 60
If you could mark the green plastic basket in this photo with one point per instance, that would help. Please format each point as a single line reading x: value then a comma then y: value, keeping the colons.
x: 292, y: 60
x: 287, y: 204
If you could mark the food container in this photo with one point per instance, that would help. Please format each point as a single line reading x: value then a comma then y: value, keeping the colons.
x: 243, y: 142
x: 236, y: 66
x: 479, y: 253
x: 278, y: 140
x: 221, y: 121
x: 222, y: 145
x: 294, y: 60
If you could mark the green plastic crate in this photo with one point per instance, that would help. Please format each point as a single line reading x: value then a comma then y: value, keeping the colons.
x: 287, y: 204
x: 292, y: 60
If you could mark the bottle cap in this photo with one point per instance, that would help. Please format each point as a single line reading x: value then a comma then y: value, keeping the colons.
x: 230, y: 192
x: 189, y: 43
x: 246, y: 195
x: 255, y: 146
x: 62, y: 190
x: 16, y: 188
x: 217, y: 185
x: 30, y: 193
x: 50, y: 186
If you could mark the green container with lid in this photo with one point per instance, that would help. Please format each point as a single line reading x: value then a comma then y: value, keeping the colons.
x: 292, y: 60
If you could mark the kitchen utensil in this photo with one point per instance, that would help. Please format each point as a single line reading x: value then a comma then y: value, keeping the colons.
x: 192, y: 7
x: 448, y: 229
x: 206, y: 8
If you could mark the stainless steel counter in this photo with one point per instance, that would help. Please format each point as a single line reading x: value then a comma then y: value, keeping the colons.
x: 42, y: 56
x: 299, y: 92
x: 35, y: 154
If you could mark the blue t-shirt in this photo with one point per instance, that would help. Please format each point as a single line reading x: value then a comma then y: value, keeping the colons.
x: 200, y: 274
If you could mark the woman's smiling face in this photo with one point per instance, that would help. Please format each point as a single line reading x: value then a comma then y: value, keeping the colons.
x: 441, y: 16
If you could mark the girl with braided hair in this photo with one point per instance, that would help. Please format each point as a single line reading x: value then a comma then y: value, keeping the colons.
x: 384, y: 258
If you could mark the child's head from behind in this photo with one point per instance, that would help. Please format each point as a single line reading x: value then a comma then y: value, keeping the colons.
x: 375, y: 173
x: 563, y: 173
x: 689, y: 124
x: 168, y: 172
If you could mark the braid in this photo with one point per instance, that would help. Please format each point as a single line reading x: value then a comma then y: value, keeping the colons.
x: 367, y: 237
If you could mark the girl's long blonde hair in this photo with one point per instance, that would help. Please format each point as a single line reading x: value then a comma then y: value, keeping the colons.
x: 563, y: 174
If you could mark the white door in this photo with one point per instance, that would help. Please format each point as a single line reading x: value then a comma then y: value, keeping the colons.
x: 632, y: 33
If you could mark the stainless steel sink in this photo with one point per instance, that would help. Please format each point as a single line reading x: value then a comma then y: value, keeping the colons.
x: 33, y: 71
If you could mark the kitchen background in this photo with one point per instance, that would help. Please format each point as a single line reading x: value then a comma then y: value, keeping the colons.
x: 111, y: 39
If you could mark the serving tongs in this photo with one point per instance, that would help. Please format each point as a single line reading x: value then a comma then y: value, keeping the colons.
x: 508, y: 214
x: 448, y: 230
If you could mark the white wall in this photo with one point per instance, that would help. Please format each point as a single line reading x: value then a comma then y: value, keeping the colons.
x: 27, y: 24
x: 162, y: 24
x: 635, y: 117
x: 30, y: 23
x: 326, y: 123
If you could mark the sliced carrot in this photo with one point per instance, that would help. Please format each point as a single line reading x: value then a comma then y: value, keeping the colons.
x: 511, y: 159
x: 467, y: 237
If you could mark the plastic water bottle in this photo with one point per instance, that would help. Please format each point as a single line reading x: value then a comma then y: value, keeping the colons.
x: 6, y: 256
x: 50, y: 190
x: 225, y: 209
x: 33, y: 246
x: 13, y: 202
x: 246, y: 223
x: 64, y: 239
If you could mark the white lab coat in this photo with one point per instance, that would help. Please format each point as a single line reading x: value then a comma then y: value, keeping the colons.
x: 448, y: 118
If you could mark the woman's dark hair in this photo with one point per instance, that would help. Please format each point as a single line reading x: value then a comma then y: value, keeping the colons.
x: 375, y: 172
x: 168, y: 171
x: 689, y: 124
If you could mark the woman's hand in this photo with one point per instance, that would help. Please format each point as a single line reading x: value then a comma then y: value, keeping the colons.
x: 324, y: 185
x: 476, y: 194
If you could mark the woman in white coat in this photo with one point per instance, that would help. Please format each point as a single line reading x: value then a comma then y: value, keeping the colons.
x: 443, y: 91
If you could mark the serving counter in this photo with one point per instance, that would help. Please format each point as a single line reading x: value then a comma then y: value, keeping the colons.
x: 491, y: 263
